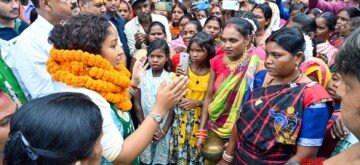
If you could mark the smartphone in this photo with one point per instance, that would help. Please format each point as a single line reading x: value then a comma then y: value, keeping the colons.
x: 230, y: 5
x: 164, y: 5
x: 184, y: 61
x: 201, y: 5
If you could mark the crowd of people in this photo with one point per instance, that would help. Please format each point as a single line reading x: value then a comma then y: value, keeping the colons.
x: 179, y: 82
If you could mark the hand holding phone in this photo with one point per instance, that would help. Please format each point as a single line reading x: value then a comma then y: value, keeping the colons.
x: 184, y: 61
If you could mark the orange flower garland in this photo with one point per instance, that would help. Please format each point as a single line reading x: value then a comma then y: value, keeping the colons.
x: 82, y: 69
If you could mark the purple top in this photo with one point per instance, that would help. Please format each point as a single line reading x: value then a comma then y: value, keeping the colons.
x: 333, y: 7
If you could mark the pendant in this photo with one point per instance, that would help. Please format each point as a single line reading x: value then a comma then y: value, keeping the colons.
x: 197, y: 82
x: 258, y: 102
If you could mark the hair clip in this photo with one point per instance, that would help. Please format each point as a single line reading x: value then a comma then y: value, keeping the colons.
x: 32, y: 155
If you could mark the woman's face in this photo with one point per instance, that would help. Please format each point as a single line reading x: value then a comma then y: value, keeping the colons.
x: 200, y: 14
x: 157, y: 59
x: 182, y: 24
x: 156, y: 33
x: 233, y: 42
x: 124, y: 11
x: 322, y: 31
x: 261, y: 18
x: 111, y: 50
x: 188, y: 32
x: 343, y: 23
x: 212, y: 28
x: 177, y: 13
x: 197, y: 54
x: 335, y: 88
x: 216, y: 11
x: 279, y: 62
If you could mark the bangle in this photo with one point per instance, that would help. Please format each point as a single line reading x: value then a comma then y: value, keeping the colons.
x: 134, y: 87
x: 131, y: 91
x: 227, y: 157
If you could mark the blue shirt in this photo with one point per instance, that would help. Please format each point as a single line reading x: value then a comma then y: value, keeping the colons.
x: 8, y: 33
x: 119, y: 23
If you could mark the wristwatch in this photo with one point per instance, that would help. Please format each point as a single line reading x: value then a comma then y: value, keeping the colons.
x: 157, y: 118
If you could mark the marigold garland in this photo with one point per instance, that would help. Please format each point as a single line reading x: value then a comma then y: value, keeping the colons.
x: 82, y: 69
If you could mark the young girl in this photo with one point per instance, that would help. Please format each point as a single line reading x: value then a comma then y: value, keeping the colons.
x: 158, y: 58
x: 187, y: 115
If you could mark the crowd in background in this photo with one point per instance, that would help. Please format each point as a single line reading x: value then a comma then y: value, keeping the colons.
x: 179, y: 82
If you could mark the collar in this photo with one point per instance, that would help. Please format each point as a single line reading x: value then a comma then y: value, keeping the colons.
x: 43, y: 23
x: 137, y: 19
x: 17, y: 24
x: 108, y: 16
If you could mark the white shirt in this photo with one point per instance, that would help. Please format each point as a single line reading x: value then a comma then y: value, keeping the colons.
x: 111, y: 140
x: 28, y: 57
x: 134, y: 25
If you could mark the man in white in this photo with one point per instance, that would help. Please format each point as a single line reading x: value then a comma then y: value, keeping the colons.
x: 28, y: 57
x: 136, y: 29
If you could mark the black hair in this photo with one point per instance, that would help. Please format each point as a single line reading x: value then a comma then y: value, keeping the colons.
x: 330, y: 20
x: 182, y: 6
x: 188, y: 16
x: 84, y: 32
x: 251, y: 16
x: 290, y: 39
x: 307, y: 23
x: 160, y: 44
x: 266, y: 9
x: 355, y: 23
x: 206, y: 42
x: 352, y: 11
x: 314, y: 11
x: 214, y: 18
x: 206, y: 13
x: 196, y: 23
x: 57, y: 129
x: 241, y: 25
x: 33, y: 15
x: 297, y: 6
x: 36, y: 3
x: 348, y: 59
x: 156, y: 23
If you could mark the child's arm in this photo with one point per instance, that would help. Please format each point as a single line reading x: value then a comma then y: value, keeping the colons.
x: 137, y: 106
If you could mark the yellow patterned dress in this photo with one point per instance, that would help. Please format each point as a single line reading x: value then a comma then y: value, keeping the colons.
x: 186, y: 123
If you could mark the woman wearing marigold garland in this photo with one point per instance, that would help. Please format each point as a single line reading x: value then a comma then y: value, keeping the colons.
x: 75, y: 61
x: 231, y: 75
x: 285, y: 117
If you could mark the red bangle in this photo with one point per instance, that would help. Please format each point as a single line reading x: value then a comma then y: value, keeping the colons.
x: 134, y: 87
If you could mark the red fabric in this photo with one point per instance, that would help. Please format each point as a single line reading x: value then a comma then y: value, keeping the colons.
x: 315, y: 94
x: 175, y: 61
x: 312, y: 161
x: 329, y: 143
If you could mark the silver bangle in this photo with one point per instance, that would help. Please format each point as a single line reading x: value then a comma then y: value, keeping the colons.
x: 227, y: 157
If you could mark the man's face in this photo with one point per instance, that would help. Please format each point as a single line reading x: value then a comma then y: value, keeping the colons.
x: 142, y: 9
x: 59, y: 10
x: 93, y: 7
x: 7, y: 109
x: 112, y: 5
x: 350, y: 103
x: 9, y: 9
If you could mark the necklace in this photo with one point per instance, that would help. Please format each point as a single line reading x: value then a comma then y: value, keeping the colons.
x: 231, y: 65
x: 259, y: 101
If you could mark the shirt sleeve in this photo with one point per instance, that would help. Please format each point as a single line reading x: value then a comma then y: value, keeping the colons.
x: 29, y: 65
x: 315, y: 119
x: 130, y: 37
